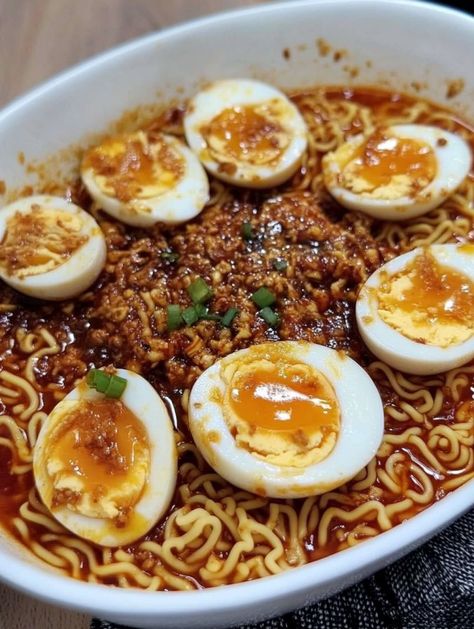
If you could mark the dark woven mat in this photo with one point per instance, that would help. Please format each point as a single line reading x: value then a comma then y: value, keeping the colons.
x: 432, y: 588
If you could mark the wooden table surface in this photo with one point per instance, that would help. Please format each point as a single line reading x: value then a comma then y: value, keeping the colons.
x: 39, y: 38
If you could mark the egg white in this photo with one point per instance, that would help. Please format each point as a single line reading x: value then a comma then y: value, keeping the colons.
x: 73, y: 276
x: 392, y: 346
x: 143, y: 401
x: 360, y: 434
x: 178, y: 204
x: 221, y: 95
x: 453, y: 158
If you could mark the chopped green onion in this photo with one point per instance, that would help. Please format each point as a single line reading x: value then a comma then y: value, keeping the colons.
x: 263, y: 297
x: 198, y: 312
x: 280, y: 264
x: 270, y: 316
x: 190, y: 315
x: 229, y: 316
x: 247, y: 231
x: 110, y: 385
x: 116, y: 387
x: 98, y: 380
x: 210, y: 317
x: 201, y: 310
x: 170, y: 256
x: 174, y: 317
x: 199, y: 291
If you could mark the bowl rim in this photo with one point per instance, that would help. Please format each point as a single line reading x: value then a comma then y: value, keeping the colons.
x: 35, y: 580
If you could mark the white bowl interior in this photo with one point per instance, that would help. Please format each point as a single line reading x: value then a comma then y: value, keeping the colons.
x: 415, y: 47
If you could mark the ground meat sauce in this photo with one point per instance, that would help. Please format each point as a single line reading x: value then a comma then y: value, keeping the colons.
x: 326, y: 262
x: 327, y: 259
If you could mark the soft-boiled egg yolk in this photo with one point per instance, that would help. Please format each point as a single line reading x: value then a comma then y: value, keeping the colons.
x: 286, y: 419
x: 246, y: 132
x: 40, y: 241
x: 417, y: 311
x: 429, y: 302
x: 284, y: 400
x: 142, y: 178
x: 50, y: 248
x: 131, y: 167
x: 385, y: 165
x: 106, y: 468
x: 287, y: 414
x: 99, y: 459
x: 397, y: 172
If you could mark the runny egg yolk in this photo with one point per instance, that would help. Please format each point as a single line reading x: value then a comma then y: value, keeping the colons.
x: 99, y: 444
x: 249, y: 133
x: 429, y: 302
x: 94, y: 456
x: 280, y: 400
x: 39, y: 241
x: 382, y: 157
x: 134, y: 166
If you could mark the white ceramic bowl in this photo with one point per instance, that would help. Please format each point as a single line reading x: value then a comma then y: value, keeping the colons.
x: 389, y: 42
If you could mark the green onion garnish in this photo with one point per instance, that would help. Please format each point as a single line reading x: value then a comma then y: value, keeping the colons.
x: 190, y: 316
x: 201, y: 310
x: 270, y: 316
x: 229, y: 316
x: 199, y: 291
x: 280, y: 264
x: 263, y: 297
x: 98, y: 380
x: 111, y: 386
x: 174, y: 317
x: 198, y: 312
x: 247, y: 231
x: 169, y: 256
x: 208, y: 316
x: 116, y: 387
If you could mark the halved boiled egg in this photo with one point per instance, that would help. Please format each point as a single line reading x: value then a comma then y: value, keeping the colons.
x: 246, y: 132
x: 417, y: 311
x: 49, y: 248
x: 286, y: 419
x: 144, y: 178
x: 397, y: 172
x: 106, y: 468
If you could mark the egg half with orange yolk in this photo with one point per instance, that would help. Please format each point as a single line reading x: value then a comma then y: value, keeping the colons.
x: 106, y: 468
x: 287, y: 419
x: 416, y: 312
x: 246, y: 133
x: 397, y: 172
x: 49, y: 248
x: 145, y: 177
